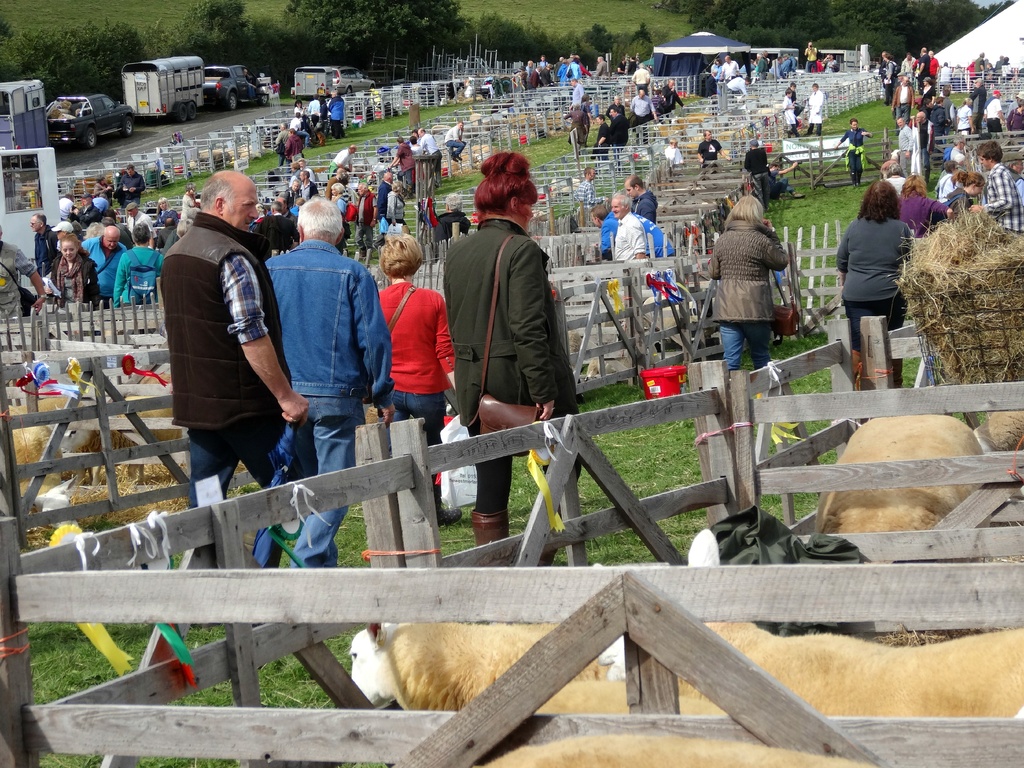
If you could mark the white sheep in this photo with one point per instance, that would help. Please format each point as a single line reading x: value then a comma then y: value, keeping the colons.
x: 628, y: 750
x: 899, y: 438
x: 1002, y: 431
x: 608, y: 697
x: 440, y: 666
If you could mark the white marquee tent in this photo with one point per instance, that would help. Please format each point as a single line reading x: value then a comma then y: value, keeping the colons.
x: 999, y: 36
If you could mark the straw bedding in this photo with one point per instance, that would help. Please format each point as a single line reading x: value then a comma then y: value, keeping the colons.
x: 964, y: 285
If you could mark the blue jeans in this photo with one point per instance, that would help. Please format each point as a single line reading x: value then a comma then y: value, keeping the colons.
x: 456, y: 148
x: 757, y: 335
x: 217, y: 452
x: 430, y: 408
x: 326, y: 443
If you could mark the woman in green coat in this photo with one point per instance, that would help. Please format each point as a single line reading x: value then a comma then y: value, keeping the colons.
x: 528, y: 362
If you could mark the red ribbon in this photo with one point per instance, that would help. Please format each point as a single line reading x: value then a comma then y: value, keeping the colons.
x: 27, y: 379
x: 128, y: 366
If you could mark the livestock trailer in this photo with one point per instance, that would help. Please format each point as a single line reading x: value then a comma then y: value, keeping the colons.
x: 164, y: 87
x: 316, y: 81
x: 22, y: 115
x: 30, y: 187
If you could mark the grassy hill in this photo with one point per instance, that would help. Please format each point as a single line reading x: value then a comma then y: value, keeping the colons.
x: 615, y: 15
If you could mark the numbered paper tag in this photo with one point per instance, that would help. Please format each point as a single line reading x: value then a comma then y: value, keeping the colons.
x: 208, y: 491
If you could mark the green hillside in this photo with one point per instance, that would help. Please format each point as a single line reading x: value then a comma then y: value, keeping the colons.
x: 615, y: 15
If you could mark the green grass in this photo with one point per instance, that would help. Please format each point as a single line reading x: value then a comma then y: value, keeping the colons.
x: 615, y: 15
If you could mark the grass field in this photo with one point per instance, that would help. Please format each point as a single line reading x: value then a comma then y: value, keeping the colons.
x: 615, y: 15
x: 652, y: 460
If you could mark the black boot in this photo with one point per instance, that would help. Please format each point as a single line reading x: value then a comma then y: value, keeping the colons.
x: 445, y: 515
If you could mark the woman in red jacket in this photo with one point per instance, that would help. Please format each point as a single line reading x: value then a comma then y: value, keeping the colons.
x: 423, y: 362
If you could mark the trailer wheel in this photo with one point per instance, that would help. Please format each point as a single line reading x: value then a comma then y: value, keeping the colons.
x: 191, y: 110
x: 181, y: 111
x: 89, y: 138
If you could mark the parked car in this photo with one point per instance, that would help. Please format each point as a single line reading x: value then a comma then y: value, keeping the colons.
x: 82, y: 119
x: 228, y: 85
x: 349, y: 79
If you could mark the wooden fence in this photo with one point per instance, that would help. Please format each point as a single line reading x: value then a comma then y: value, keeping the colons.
x: 276, y: 612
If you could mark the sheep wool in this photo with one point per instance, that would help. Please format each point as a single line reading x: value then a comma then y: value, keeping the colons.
x: 441, y: 666
x: 627, y: 751
x: 973, y: 676
x: 1001, y: 431
x: 899, y: 438
x: 606, y: 697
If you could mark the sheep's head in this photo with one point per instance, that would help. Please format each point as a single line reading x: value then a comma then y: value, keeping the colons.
x: 370, y: 670
x: 76, y: 439
x: 58, y: 497
x: 704, y: 551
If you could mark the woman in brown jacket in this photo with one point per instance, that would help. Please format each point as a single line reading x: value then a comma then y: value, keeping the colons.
x: 744, y: 257
x: 528, y: 363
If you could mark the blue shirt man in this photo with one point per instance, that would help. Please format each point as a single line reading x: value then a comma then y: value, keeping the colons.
x: 382, y: 198
x: 334, y: 364
x: 106, y: 251
x: 45, y: 243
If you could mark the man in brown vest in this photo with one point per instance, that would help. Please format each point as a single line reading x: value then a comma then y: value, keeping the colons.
x: 232, y: 387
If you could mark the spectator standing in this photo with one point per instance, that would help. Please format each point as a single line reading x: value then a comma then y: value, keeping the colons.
x: 811, y: 56
x: 994, y: 114
x: 917, y: 210
x: 979, y: 99
x: 672, y: 153
x: 536, y: 368
x: 366, y: 221
x: 423, y: 364
x: 47, y: 249
x: 221, y: 309
x: 644, y: 203
x: 601, y: 69
x: 871, y: 253
x: 279, y: 230
x: 128, y: 291
x: 964, y: 117
x: 132, y: 186
x: 755, y: 162
x: 15, y: 262
x: 903, y: 99
x: 708, y: 150
x: 452, y: 216
x: 630, y: 238
x: 106, y: 251
x: 670, y: 98
x: 336, y: 111
x: 742, y: 262
x: 1001, y: 199
x: 585, y: 193
x: 333, y: 365
x: 74, y: 274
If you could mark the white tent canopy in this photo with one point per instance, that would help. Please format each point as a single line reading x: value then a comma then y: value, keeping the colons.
x: 999, y: 36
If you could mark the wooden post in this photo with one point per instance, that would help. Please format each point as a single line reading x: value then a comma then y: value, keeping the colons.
x: 842, y: 373
x: 15, y: 670
x: 715, y: 451
x: 383, y: 524
x: 875, y: 354
x: 416, y: 505
x: 743, y: 440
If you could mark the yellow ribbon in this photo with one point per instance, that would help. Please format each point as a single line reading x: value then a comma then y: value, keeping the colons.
x: 74, y: 372
x: 615, y: 294
x: 534, y: 462
x: 785, y: 432
x: 97, y: 633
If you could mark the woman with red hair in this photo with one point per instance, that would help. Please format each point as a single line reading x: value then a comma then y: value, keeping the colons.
x: 527, y: 362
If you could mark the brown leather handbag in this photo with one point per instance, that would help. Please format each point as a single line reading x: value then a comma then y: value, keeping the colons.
x: 494, y: 415
x: 786, y: 317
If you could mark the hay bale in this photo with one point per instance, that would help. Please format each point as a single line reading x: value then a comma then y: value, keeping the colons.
x: 964, y: 285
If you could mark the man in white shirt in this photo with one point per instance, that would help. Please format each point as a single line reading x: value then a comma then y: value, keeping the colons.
x: 906, y: 138
x: 730, y: 69
x: 630, y: 239
x: 737, y: 85
x: 577, y: 91
x: 642, y: 76
x: 428, y: 144
x: 343, y: 159
x: 453, y: 140
x: 815, y: 110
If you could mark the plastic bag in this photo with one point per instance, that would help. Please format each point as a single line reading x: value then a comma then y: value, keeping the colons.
x: 458, y: 486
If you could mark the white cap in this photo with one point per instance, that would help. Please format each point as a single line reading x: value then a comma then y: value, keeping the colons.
x: 64, y: 226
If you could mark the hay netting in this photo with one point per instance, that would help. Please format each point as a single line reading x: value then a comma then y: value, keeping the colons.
x: 964, y: 285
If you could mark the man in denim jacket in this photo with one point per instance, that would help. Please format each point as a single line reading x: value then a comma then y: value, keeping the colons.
x: 338, y: 348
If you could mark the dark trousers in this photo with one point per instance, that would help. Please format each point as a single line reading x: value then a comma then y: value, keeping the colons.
x: 337, y: 129
x: 217, y: 452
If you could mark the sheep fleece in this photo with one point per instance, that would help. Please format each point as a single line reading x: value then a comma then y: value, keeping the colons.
x: 900, y: 438
x: 444, y: 666
x: 973, y: 676
x: 627, y: 751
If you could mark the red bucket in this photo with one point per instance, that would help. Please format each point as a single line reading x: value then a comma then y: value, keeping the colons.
x: 768, y: 147
x: 663, y: 382
x: 522, y: 140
